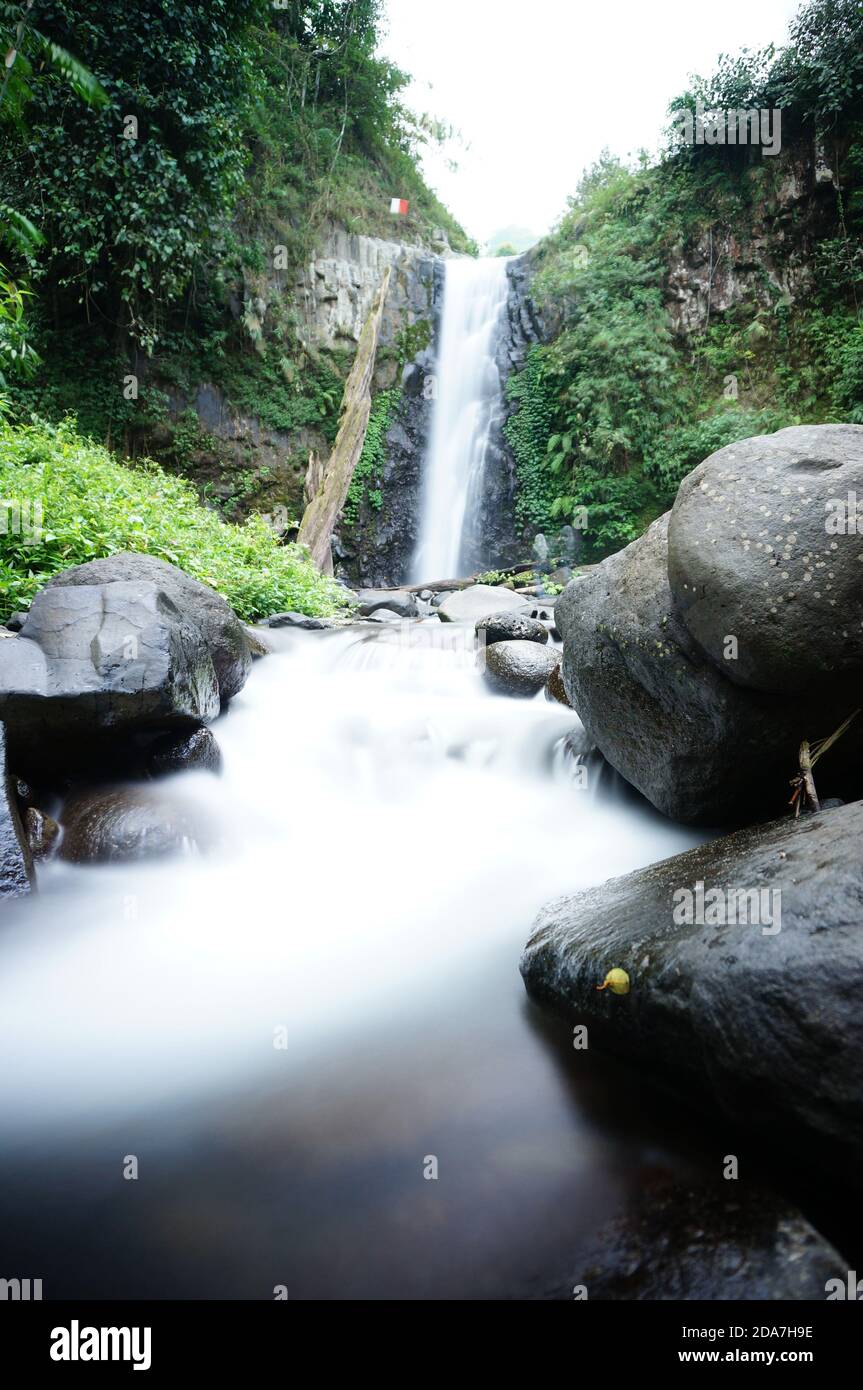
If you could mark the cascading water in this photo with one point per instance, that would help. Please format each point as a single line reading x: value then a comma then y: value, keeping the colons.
x: 284, y: 1029
x: 468, y: 402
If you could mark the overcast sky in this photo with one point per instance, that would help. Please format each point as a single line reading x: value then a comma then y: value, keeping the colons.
x: 539, y: 87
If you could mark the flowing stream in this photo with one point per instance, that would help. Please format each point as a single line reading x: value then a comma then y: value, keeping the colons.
x: 283, y: 1030
x: 468, y: 400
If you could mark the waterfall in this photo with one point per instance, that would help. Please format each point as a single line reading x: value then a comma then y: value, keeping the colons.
x: 468, y: 403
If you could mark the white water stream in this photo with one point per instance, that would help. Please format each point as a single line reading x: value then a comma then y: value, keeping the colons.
x: 386, y: 831
x: 468, y: 400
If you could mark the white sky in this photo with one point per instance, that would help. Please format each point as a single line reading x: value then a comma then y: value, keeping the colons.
x: 539, y: 87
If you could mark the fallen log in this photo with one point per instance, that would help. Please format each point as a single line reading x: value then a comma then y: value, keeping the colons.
x: 331, y: 490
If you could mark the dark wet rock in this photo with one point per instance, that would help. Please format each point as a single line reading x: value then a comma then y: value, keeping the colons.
x: 703, y: 1241
x: 99, y: 662
x: 16, y: 863
x: 299, y: 620
x: 197, y: 751
x: 518, y: 668
x: 401, y: 602
x: 25, y: 793
x: 194, y: 603
x: 541, y: 609
x: 42, y: 832
x: 127, y: 823
x: 511, y: 627
x: 257, y: 646
x: 479, y: 601
x: 703, y: 749
x: 762, y: 1026
x: 555, y: 688
x: 750, y: 557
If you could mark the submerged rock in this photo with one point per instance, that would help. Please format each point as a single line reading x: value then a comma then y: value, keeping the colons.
x: 16, y: 864
x: 257, y: 646
x: 185, y: 753
x: 511, y: 627
x: 384, y: 615
x: 118, y: 824
x: 555, y: 688
x: 707, y: 1241
x: 518, y: 668
x: 299, y: 620
x: 42, y: 831
x: 747, y: 997
x: 221, y: 630
x: 479, y: 601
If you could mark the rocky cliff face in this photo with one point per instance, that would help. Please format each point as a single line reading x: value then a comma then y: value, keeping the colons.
x: 769, y: 256
x: 335, y: 290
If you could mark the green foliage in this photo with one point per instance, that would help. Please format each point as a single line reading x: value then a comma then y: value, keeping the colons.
x: 18, y: 357
x: 94, y: 506
x: 131, y: 192
x: 618, y: 409
x: 687, y: 446
x: 367, y: 481
x: 528, y: 431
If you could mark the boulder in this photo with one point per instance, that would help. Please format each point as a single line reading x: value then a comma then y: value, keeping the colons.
x: 399, y: 601
x: 745, y: 966
x: 196, y: 604
x: 518, y: 668
x: 100, y: 661
x: 706, y: 1241
x: 479, y: 601
x: 119, y: 824
x: 16, y: 863
x: 754, y: 555
x: 184, y: 753
x: 510, y: 627
x: 702, y: 748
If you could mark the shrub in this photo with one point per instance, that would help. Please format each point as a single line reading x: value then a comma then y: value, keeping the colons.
x: 94, y: 506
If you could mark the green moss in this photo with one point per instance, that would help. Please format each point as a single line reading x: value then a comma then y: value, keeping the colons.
x: 367, y: 482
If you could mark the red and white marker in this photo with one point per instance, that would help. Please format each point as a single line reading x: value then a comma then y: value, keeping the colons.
x: 399, y: 207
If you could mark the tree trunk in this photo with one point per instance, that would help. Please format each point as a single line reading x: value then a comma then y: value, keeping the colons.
x: 325, y: 507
